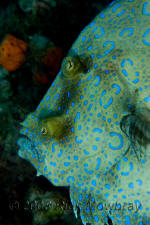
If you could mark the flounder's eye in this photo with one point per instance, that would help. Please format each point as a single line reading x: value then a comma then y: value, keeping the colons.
x: 73, y: 65
x: 69, y: 65
x: 44, y: 131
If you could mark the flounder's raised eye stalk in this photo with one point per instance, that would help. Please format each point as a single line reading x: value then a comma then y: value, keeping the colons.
x: 44, y: 131
x: 73, y: 65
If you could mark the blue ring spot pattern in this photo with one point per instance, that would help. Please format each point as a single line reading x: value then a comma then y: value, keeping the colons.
x: 121, y: 141
x: 128, y: 31
x: 118, y: 87
x: 146, y: 35
x: 145, y: 6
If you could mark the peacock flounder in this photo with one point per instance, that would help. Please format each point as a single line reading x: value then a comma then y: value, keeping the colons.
x: 91, y: 131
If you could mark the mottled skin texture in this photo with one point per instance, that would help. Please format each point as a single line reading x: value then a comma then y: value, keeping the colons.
x: 91, y: 130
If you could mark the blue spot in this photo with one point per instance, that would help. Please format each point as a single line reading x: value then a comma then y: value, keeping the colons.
x: 127, y: 220
x: 98, y: 80
x: 90, y: 106
x: 92, y: 96
x: 96, y: 218
x: 83, y: 38
x: 78, y: 141
x: 75, y: 158
x: 138, y: 204
x: 100, y: 99
x: 92, y: 55
x: 106, y: 71
x: 139, y: 182
x: 92, y: 24
x: 106, y: 195
x: 95, y: 65
x: 107, y: 186
x: 135, y: 81
x: 126, y: 31
x: 47, y: 98
x: 89, y: 77
x: 80, y: 197
x: 121, y: 141
x: 45, y: 169
x: 111, y: 48
x: 98, y: 163
x: 100, y: 206
x: 147, y: 99
x: 126, y: 60
x: 90, y: 47
x: 125, y: 159
x: 125, y: 173
x: 68, y: 93
x: 77, y: 117
x: 118, y: 166
x: 116, y: 7
x: 102, y: 33
x: 94, y: 29
x: 109, y: 103
x: 79, y: 127
x: 144, y: 8
x: 52, y: 164
x: 99, y: 115
x: 86, y: 152
x: 85, y: 102
x: 73, y: 104
x: 94, y: 147
x: 146, y: 34
x: 102, y: 15
x: 97, y: 139
x: 121, y: 13
x: 79, y: 83
x: 66, y: 163
x: 124, y: 197
x: 125, y: 72
x: 72, y: 129
x: 97, y: 130
x: 115, y: 115
x: 70, y: 178
x: 67, y: 111
x: 88, y: 171
x: 53, y: 147
x: 104, y: 118
x: 94, y: 183
x: 131, y: 185
x: 85, y: 164
x: 26, y: 131
x: 55, y: 180
x: 118, y: 88
x: 103, y: 93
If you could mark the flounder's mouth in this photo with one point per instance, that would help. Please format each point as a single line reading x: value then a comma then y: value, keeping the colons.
x: 27, y: 147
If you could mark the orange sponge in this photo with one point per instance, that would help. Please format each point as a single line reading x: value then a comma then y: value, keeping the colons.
x: 12, y: 52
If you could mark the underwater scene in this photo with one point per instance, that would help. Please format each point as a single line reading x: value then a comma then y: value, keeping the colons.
x: 75, y: 112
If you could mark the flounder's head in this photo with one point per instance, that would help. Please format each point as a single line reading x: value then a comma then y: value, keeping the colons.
x: 73, y: 133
